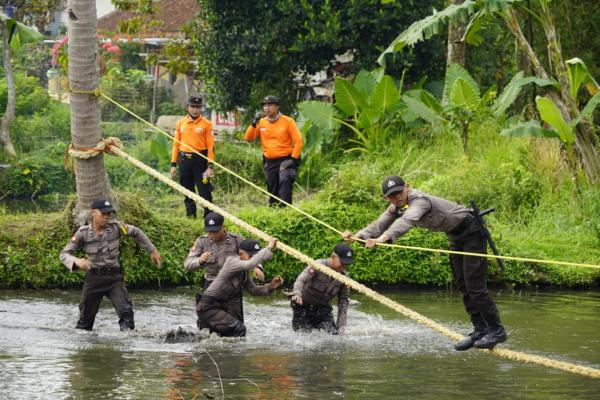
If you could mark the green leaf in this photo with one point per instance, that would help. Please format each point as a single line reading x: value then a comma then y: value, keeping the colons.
x: 463, y: 95
x: 348, y: 99
x: 423, y: 111
x: 552, y: 115
x: 22, y: 34
x: 578, y: 75
x: 364, y: 83
x: 587, y: 110
x: 529, y: 128
x: 454, y: 72
x: 513, y: 88
x: 428, y: 26
x: 368, y: 118
x: 385, y: 96
x: 321, y: 114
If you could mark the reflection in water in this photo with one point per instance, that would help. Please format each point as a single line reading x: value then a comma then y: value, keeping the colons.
x: 383, y: 355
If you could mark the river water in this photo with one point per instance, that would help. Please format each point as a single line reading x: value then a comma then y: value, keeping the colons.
x: 382, y: 356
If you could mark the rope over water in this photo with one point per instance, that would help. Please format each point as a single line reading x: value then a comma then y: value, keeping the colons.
x: 115, y: 148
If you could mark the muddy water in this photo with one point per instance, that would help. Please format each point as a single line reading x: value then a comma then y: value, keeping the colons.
x: 382, y: 356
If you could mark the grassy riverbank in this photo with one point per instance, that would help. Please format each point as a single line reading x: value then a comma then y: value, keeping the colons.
x: 542, y: 212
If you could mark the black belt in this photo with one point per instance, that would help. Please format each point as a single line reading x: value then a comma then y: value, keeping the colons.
x: 106, y: 271
x: 463, y: 225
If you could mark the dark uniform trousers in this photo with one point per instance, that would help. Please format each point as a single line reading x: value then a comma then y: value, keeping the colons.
x: 191, y: 167
x: 97, y: 286
x: 215, y: 315
x: 279, y: 183
x: 309, y: 316
x: 234, y: 306
x: 470, y: 276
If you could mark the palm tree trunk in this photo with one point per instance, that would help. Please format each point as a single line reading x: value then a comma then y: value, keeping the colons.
x: 456, y: 45
x: 11, y: 100
x: 90, y: 175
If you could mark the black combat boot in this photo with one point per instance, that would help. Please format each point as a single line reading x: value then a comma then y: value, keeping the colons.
x: 496, y: 333
x: 479, y: 332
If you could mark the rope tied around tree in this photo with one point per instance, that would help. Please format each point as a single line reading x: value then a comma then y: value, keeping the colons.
x: 84, y: 153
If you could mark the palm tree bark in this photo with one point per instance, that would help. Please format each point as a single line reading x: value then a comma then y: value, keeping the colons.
x: 9, y: 113
x: 456, y: 45
x: 90, y: 176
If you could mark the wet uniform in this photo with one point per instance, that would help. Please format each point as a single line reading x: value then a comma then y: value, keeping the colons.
x: 219, y: 251
x: 316, y: 290
x: 212, y: 308
x: 464, y: 234
x: 105, y: 277
x: 280, y: 140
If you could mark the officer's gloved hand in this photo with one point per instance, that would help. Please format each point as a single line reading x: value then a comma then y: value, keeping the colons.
x: 257, y: 118
x: 285, y: 164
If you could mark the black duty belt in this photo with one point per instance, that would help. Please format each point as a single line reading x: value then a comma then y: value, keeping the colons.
x: 463, y: 225
x: 106, y: 271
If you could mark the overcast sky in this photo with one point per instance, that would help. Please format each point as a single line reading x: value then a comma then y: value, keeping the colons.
x: 103, y: 7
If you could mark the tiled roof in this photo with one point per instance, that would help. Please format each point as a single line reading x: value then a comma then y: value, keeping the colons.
x: 172, y: 15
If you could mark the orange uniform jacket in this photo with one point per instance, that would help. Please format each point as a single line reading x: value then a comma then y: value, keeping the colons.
x: 278, y: 139
x: 193, y: 135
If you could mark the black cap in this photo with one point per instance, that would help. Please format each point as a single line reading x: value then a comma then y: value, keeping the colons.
x: 270, y: 99
x: 344, y: 252
x: 103, y: 205
x: 213, y: 222
x: 392, y: 184
x: 194, y: 100
x: 250, y: 246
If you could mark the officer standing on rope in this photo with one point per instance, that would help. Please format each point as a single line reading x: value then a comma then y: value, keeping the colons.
x: 409, y: 208
x: 210, y: 252
x: 193, y: 134
x: 212, y: 308
x: 281, y: 144
x: 313, y: 290
x: 104, y: 276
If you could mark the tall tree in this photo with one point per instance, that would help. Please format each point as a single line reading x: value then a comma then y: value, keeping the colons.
x: 457, y: 48
x: 14, y: 34
x: 90, y: 176
x: 508, y: 12
x: 247, y: 48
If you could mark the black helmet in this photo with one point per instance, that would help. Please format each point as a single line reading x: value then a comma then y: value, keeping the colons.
x: 270, y: 99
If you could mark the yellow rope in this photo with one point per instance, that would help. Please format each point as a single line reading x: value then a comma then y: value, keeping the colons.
x: 508, y: 354
x: 97, y: 92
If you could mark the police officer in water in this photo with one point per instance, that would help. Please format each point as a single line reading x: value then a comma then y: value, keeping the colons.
x: 193, y: 134
x: 411, y: 208
x: 212, y: 308
x: 313, y: 290
x: 210, y: 252
x: 104, y: 276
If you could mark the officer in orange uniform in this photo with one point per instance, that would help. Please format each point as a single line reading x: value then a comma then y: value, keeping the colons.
x: 193, y: 134
x: 281, y: 143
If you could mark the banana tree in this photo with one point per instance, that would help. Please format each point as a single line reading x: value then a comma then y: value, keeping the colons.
x: 366, y: 107
x: 507, y: 11
x: 549, y: 112
x: 14, y: 35
x: 462, y: 102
